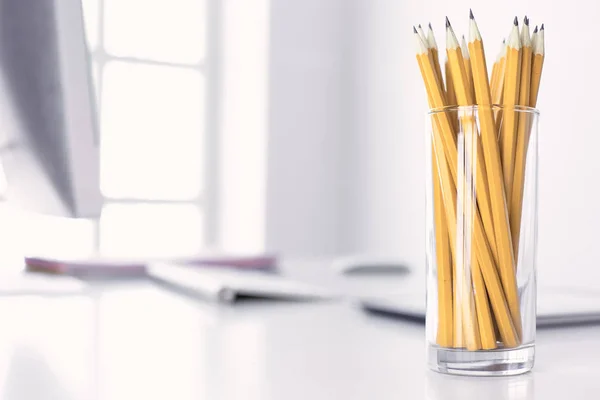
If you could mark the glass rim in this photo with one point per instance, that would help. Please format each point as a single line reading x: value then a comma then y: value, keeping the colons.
x: 517, y: 108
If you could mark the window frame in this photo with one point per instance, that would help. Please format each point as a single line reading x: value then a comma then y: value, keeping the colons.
x: 207, y: 201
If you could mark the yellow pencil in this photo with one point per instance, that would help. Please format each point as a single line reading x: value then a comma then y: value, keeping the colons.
x: 508, y: 135
x: 522, y: 139
x: 467, y: 60
x: 464, y: 307
x: 482, y: 190
x: 494, y: 74
x: 432, y: 46
x: 462, y: 80
x: 497, y: 87
x: 506, y: 267
x: 537, y: 65
x: 445, y: 331
x: 449, y: 85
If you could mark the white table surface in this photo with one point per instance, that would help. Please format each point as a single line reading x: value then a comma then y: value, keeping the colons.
x: 138, y: 341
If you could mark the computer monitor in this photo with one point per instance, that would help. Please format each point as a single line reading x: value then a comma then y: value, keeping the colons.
x: 49, y: 140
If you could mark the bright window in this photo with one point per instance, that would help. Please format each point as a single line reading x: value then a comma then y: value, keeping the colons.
x: 148, y: 62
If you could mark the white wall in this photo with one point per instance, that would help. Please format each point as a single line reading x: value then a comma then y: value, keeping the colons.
x: 390, y: 102
x: 283, y: 119
x: 242, y: 124
x: 307, y: 115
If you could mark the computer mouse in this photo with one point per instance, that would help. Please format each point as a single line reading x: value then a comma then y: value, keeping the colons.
x: 370, y: 266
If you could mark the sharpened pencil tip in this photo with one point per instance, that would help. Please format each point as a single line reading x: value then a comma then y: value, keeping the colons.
x: 415, y: 30
x: 542, y: 28
x: 536, y: 29
x: 430, y: 26
x: 447, y: 23
x: 503, y: 41
x: 516, y: 21
x: 471, y: 14
x: 526, y: 21
x: 420, y: 26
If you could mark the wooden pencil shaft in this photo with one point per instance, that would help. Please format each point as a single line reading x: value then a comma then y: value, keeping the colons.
x: 436, y: 66
x: 444, y: 263
x: 523, y: 132
x: 508, y: 137
x: 536, y: 77
x: 465, y: 252
x: 465, y: 324
x: 494, y: 77
x: 467, y: 61
x: 498, y: 86
x: 450, y: 86
x: 497, y: 89
x: 443, y: 253
x: 495, y: 181
x: 508, y: 333
x: 484, y: 315
x: 475, y: 163
x: 469, y: 126
x: 463, y: 314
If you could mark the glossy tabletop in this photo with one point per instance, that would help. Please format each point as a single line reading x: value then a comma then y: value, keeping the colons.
x: 136, y: 340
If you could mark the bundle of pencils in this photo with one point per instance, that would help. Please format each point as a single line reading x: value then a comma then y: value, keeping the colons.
x: 478, y: 307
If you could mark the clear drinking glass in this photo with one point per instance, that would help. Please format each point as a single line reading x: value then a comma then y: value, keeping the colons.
x: 481, y: 239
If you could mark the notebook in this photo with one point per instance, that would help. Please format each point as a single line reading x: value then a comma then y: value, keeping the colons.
x: 228, y: 286
x: 122, y: 267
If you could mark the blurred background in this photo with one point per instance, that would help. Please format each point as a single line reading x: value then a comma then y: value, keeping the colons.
x: 296, y: 126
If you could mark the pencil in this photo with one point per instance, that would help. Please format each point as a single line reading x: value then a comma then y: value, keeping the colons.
x: 497, y: 84
x: 497, y: 87
x: 467, y: 61
x: 537, y: 65
x: 432, y: 46
x: 494, y: 74
x: 482, y: 191
x: 449, y: 85
x: 506, y: 267
x: 508, y: 136
x: 464, y: 307
x: 444, y: 143
x: 522, y: 139
x: 442, y: 245
x: 464, y: 95
x: 445, y: 329
x: 462, y: 79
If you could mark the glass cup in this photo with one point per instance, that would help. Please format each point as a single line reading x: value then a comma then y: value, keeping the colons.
x: 481, y: 239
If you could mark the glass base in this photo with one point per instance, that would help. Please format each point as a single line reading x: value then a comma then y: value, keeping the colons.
x: 502, y: 362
